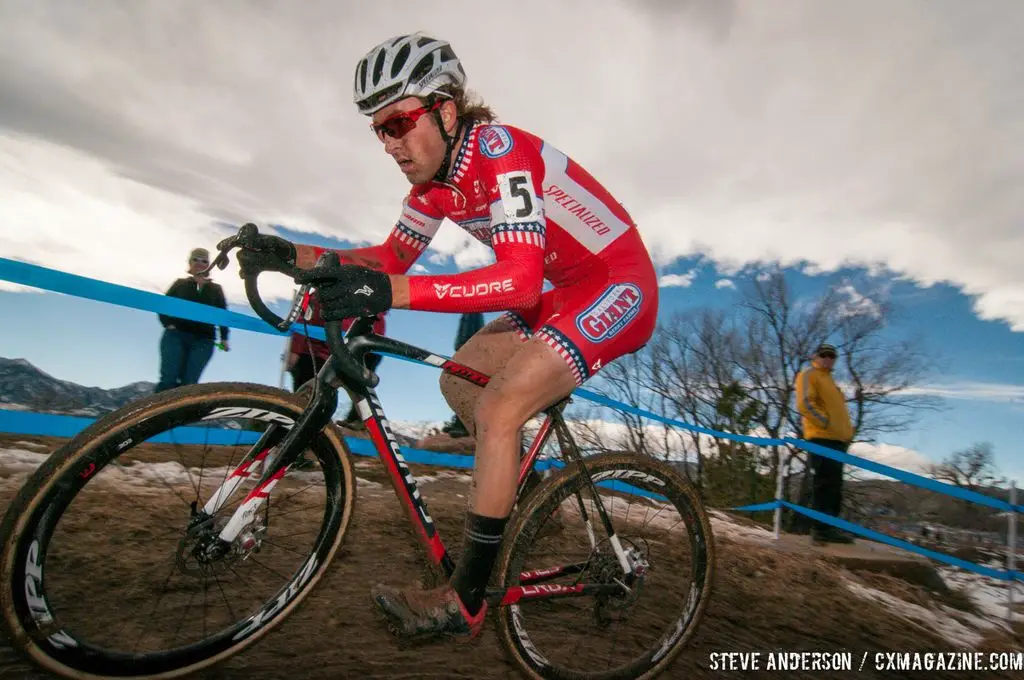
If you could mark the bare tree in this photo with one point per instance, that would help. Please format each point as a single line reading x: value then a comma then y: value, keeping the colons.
x: 627, y: 380
x: 691, y: 365
x: 882, y: 374
x: 780, y: 334
x: 973, y: 468
x: 735, y: 370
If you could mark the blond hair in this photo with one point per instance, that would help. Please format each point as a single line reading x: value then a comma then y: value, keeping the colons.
x: 469, y: 107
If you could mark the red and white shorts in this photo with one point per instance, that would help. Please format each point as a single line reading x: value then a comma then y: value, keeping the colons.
x: 593, y: 323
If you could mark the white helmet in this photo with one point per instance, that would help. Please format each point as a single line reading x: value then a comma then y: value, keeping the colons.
x: 406, y: 66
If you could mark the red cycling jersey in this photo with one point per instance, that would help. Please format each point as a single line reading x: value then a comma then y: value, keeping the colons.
x: 545, y: 217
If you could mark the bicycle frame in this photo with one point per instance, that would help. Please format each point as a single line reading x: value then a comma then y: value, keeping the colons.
x: 318, y: 414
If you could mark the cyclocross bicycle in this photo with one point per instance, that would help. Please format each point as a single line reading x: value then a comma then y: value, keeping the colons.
x: 120, y: 551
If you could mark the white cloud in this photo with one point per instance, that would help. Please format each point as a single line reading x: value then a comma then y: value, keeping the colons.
x: 725, y: 283
x: 853, y: 303
x: 974, y: 391
x: 836, y: 134
x: 899, y: 457
x: 677, y: 280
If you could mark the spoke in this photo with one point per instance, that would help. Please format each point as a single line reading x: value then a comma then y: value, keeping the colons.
x: 267, y: 541
x: 181, y: 621
x: 310, y: 486
x: 163, y: 591
x: 272, y: 571
x: 230, y: 467
x: 205, y: 588
x: 202, y: 469
x: 297, y: 533
x: 293, y: 511
x: 224, y: 595
x: 181, y: 461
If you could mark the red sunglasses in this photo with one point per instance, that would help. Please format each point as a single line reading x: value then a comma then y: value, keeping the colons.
x: 401, y: 124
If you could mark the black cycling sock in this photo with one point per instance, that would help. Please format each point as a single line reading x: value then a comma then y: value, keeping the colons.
x: 479, y: 551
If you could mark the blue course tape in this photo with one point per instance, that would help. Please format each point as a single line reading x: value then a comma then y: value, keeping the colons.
x: 71, y: 284
x: 839, y: 523
x: 760, y: 507
x: 898, y: 543
x: 56, y: 425
x: 619, y: 406
x: 123, y: 296
x: 908, y: 477
x: 44, y: 424
x: 29, y: 423
x: 902, y: 475
x: 51, y: 424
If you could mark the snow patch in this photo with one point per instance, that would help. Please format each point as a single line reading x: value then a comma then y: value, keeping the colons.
x: 725, y: 526
x: 445, y: 474
x: 987, y: 594
x: 20, y: 461
x: 416, y: 429
x: 368, y: 484
x: 32, y: 445
x: 956, y: 627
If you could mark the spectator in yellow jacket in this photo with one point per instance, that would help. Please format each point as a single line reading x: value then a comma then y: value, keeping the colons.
x: 826, y: 422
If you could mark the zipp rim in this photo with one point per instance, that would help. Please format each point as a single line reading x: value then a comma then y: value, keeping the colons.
x: 29, y: 522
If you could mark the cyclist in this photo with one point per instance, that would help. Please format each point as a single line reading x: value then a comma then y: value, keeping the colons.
x: 545, y: 217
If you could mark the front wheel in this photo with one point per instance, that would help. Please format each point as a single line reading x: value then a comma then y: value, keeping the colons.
x: 632, y: 624
x: 113, y: 556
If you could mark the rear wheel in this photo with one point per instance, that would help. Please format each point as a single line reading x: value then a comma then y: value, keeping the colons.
x: 111, y: 558
x: 638, y: 629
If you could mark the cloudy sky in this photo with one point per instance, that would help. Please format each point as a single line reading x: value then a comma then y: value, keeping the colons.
x: 827, y: 137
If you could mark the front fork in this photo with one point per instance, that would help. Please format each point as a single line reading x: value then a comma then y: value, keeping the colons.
x: 290, y: 441
x: 627, y: 560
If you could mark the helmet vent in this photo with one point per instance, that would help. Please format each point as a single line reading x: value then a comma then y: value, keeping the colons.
x: 447, y: 54
x: 400, y: 59
x: 361, y: 75
x: 422, y: 68
x: 378, y: 67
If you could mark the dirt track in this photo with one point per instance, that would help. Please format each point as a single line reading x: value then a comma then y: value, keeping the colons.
x: 762, y: 601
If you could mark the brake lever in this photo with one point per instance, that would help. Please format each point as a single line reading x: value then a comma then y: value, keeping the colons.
x: 296, y: 306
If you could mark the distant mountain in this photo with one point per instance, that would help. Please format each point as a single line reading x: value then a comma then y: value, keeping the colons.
x: 25, y: 387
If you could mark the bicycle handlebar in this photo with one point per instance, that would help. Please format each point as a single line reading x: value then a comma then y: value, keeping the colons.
x: 247, y: 238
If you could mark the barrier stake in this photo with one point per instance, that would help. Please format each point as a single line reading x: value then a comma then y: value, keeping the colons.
x: 284, y: 360
x: 780, y: 479
x: 1011, y: 552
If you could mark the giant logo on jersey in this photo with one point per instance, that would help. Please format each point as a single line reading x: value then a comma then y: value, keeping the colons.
x: 494, y: 141
x: 609, y: 315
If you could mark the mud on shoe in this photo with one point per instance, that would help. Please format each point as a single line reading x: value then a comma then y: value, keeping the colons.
x: 418, y: 614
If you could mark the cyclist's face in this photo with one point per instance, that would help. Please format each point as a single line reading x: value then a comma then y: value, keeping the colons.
x: 411, y: 137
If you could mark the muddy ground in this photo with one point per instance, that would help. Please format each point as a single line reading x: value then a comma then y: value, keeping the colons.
x: 762, y: 601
